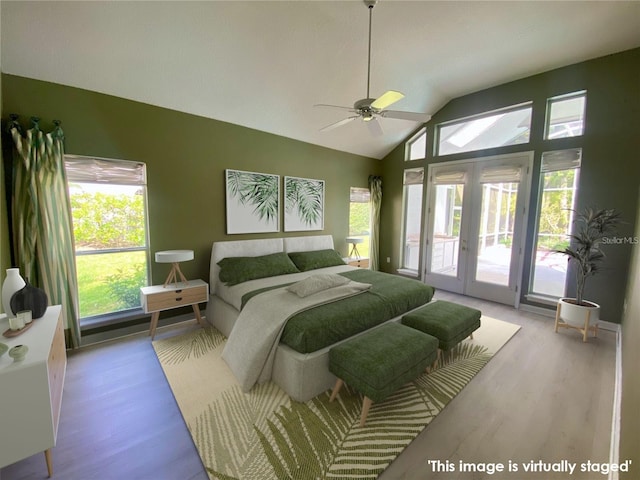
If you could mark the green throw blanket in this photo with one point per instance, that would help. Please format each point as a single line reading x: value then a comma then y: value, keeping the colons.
x: 389, y: 296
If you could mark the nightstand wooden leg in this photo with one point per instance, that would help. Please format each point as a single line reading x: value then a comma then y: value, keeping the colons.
x: 47, y: 457
x: 196, y: 310
x: 154, y: 324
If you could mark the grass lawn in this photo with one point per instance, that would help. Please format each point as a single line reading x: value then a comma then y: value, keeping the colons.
x: 109, y: 282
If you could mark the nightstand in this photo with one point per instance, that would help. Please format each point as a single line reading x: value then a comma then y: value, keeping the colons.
x: 158, y: 298
x: 358, y: 262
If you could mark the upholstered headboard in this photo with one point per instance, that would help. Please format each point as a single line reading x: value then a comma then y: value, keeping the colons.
x: 265, y: 246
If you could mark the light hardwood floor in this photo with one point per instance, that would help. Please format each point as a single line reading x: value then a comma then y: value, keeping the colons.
x: 544, y: 396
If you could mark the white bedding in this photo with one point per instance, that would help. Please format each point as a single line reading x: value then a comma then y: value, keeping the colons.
x: 233, y: 295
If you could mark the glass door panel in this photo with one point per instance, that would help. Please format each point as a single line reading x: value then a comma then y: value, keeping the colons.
x: 497, y: 221
x: 447, y: 218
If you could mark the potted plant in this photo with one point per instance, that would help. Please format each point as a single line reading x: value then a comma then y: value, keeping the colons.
x: 585, y: 251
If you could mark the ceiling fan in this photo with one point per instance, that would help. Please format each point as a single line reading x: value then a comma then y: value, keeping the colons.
x: 370, y: 109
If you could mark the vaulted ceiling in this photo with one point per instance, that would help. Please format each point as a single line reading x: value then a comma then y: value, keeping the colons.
x: 264, y: 64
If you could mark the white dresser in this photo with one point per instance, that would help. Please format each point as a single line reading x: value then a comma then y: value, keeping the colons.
x: 31, y: 389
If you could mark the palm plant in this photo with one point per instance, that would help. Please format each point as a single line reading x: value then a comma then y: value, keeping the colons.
x: 585, y: 248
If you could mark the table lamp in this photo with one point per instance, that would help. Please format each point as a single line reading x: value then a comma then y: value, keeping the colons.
x: 174, y: 257
x: 354, y: 241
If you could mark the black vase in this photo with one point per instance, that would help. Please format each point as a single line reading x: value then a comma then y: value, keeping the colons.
x: 30, y: 298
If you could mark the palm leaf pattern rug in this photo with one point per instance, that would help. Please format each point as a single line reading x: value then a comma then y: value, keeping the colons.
x: 264, y: 434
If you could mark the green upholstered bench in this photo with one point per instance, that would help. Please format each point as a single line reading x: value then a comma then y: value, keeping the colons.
x: 449, y: 322
x: 380, y: 361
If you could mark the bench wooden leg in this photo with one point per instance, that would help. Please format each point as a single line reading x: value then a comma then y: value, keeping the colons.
x: 471, y: 336
x: 47, y: 458
x: 336, y: 389
x: 435, y: 362
x: 366, y: 404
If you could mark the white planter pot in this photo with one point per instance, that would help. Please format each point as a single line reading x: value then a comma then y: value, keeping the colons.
x: 580, y: 317
x: 576, y: 315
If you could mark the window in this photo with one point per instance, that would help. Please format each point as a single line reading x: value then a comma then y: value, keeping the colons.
x: 510, y: 126
x: 412, y: 218
x: 558, y: 183
x: 359, y: 221
x: 565, y: 116
x: 108, y: 203
x: 416, y: 147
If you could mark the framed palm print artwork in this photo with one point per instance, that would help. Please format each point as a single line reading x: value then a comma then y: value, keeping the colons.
x: 303, y: 204
x: 253, y: 202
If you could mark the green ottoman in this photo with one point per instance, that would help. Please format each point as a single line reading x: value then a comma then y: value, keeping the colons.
x: 380, y: 361
x: 450, y: 323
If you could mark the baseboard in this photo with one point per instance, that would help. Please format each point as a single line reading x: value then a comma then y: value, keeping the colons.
x: 137, y: 329
x: 614, y: 450
x: 609, y: 326
x: 539, y: 310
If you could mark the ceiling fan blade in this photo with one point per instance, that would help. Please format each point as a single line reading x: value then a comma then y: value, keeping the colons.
x: 344, y: 121
x: 387, y: 98
x: 334, y: 106
x: 375, y: 128
x: 413, y: 116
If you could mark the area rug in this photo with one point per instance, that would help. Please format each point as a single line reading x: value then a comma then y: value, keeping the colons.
x: 264, y: 435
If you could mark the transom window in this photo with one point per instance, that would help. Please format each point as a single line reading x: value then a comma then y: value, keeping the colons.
x: 565, y: 116
x: 511, y: 126
x: 416, y: 147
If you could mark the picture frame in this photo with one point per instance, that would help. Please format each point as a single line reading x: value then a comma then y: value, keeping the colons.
x: 303, y: 204
x: 252, y: 202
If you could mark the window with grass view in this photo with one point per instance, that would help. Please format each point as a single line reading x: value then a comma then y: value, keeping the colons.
x: 359, y: 218
x: 558, y: 184
x: 108, y: 203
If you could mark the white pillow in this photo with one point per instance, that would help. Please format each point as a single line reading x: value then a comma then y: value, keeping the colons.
x: 317, y: 283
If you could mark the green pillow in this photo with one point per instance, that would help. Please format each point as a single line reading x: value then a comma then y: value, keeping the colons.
x: 316, y: 259
x: 235, y: 270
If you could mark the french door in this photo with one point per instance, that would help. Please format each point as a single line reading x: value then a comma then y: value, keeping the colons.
x: 476, y: 224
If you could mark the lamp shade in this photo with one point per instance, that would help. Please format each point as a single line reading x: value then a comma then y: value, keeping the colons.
x: 174, y: 256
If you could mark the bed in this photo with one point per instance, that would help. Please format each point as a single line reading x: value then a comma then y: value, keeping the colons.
x: 300, y: 357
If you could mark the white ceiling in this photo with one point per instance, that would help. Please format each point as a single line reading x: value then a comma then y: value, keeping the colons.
x: 265, y: 64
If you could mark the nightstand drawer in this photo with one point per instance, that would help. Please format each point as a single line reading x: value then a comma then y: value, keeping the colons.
x: 359, y: 262
x: 176, y: 298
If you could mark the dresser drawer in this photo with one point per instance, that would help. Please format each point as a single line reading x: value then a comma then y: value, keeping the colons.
x: 176, y: 298
x: 56, y: 364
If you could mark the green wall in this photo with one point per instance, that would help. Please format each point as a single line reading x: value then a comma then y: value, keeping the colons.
x: 186, y: 157
x: 610, y: 170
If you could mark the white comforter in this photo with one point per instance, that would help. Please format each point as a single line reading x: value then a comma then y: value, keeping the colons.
x: 252, y: 344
